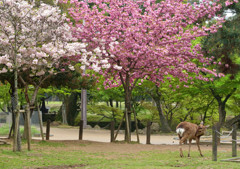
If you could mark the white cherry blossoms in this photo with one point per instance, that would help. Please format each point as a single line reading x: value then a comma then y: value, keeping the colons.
x: 40, y: 40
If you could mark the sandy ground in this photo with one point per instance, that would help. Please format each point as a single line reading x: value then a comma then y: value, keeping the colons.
x: 101, y: 135
x: 98, y: 140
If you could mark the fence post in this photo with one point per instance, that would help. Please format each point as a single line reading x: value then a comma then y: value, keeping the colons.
x: 48, y: 129
x: 234, y: 140
x: 112, y: 127
x: 214, y: 143
x: 148, y: 131
x: 80, y: 130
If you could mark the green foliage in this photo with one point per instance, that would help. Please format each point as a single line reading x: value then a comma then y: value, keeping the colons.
x: 98, y: 113
x: 4, y: 95
x: 149, y: 113
x: 99, y: 94
x: 50, y: 2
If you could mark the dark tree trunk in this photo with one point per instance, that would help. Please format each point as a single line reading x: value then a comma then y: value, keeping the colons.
x: 205, y: 113
x: 222, y: 105
x: 13, y: 122
x: 232, y: 121
x: 128, y: 94
x: 157, y: 99
x: 72, y: 108
x: 222, y: 113
x: 43, y: 108
x: 170, y: 119
x: 117, y: 104
x: 111, y: 102
x: 16, y: 115
x: 221, y: 108
x: 164, y: 124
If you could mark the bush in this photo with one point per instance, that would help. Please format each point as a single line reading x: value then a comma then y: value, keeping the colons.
x: 97, y: 113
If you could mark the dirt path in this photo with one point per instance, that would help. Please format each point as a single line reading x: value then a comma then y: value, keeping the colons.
x: 101, y: 135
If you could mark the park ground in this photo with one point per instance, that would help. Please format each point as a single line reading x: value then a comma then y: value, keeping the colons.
x: 69, y: 153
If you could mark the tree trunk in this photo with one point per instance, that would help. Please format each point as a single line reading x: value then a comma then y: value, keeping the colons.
x: 14, y: 100
x: 222, y: 113
x: 170, y: 119
x: 72, y: 109
x: 205, y: 113
x: 222, y: 105
x: 128, y: 94
x: 117, y: 104
x: 157, y: 100
x: 136, y: 124
x: 13, y: 121
x: 111, y: 102
x: 28, y: 126
x: 25, y: 130
x: 232, y: 121
x: 164, y: 124
x: 17, y: 138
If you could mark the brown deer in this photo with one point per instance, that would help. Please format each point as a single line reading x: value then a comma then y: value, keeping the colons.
x: 189, y: 131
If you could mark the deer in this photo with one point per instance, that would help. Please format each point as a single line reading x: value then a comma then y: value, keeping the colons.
x: 190, y: 131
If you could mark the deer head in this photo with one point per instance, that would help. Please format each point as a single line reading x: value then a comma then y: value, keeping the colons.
x: 201, y: 129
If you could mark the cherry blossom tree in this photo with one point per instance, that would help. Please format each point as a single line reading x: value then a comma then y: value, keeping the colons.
x: 34, y: 41
x: 145, y: 39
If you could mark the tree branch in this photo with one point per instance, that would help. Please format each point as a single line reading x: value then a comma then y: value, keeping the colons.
x: 229, y: 95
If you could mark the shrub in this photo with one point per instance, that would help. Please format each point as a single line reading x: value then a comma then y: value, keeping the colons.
x: 99, y: 113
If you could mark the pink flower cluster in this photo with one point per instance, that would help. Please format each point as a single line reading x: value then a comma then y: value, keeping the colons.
x: 154, y: 43
x: 227, y: 3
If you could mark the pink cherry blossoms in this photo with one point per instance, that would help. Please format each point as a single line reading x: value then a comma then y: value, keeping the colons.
x: 227, y: 3
x: 144, y: 39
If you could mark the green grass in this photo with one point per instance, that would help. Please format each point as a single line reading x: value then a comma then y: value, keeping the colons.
x: 54, y: 105
x: 50, y: 144
x: 4, y: 130
x: 54, y: 154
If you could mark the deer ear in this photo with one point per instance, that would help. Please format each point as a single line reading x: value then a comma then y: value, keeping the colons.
x: 201, y: 123
x: 207, y: 126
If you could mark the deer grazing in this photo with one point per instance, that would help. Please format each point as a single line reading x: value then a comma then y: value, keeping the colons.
x: 189, y: 131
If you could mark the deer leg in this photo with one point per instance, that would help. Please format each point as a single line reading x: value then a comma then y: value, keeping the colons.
x: 190, y: 141
x: 198, y: 140
x: 180, y: 145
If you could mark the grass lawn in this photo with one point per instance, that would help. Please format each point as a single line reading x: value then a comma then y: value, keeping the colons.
x: 4, y: 130
x: 86, y: 154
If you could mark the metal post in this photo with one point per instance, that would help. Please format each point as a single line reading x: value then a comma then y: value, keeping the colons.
x: 84, y: 107
x: 81, y: 130
x: 48, y: 129
x: 148, y: 132
x: 84, y: 101
x: 112, y: 127
x: 40, y: 121
x: 234, y: 140
x: 214, y: 143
